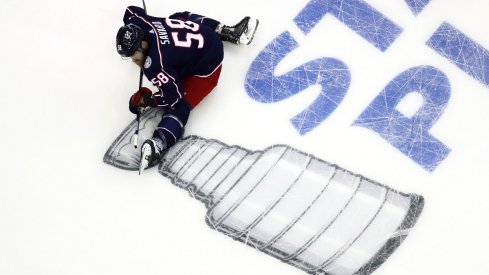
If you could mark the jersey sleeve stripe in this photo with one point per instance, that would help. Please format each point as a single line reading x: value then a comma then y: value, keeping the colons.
x: 213, y: 71
x: 161, y: 128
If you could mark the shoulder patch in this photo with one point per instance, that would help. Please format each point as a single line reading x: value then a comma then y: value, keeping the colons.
x: 148, y: 62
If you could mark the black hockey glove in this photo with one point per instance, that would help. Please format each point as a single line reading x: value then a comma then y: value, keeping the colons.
x: 140, y: 100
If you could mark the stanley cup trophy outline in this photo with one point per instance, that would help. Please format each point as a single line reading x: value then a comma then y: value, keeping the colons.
x: 302, y: 210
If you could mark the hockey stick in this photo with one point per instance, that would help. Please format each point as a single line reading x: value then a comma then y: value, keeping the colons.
x: 138, y: 115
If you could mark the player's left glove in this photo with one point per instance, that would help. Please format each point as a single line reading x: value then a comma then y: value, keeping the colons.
x: 141, y: 99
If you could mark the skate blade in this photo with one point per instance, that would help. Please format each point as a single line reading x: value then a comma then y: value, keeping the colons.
x: 145, y: 158
x: 249, y: 34
x: 141, y: 167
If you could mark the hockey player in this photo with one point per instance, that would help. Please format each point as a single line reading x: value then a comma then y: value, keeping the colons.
x: 181, y: 55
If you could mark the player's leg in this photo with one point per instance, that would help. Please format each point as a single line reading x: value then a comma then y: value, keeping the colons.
x: 241, y: 33
x: 168, y: 132
x: 198, y: 87
x: 172, y: 123
x: 197, y: 18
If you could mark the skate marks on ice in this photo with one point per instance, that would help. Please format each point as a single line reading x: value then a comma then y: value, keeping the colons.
x: 269, y: 81
x: 288, y: 204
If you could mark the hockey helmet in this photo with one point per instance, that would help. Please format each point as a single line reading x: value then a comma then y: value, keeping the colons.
x: 128, y: 39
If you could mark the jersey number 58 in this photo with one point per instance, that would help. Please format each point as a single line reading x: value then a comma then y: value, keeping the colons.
x: 189, y: 37
x: 160, y: 79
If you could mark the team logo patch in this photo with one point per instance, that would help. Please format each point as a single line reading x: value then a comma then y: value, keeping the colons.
x: 147, y: 63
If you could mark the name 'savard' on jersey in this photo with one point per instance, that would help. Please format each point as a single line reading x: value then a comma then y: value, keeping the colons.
x: 182, y: 56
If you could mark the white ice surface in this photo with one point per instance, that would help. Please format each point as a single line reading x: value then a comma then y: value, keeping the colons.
x: 64, y: 94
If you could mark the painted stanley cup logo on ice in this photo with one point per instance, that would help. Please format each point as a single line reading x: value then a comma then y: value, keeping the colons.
x: 293, y: 206
x: 300, y: 209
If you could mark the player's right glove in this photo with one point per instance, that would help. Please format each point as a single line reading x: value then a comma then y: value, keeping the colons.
x: 140, y: 100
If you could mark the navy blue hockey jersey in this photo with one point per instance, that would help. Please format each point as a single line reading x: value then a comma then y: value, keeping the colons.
x: 176, y: 49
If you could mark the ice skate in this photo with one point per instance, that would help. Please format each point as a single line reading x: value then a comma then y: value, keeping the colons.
x: 241, y: 33
x: 151, y: 153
